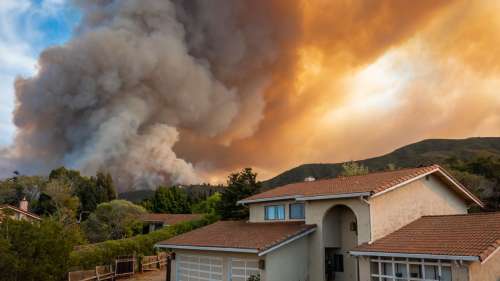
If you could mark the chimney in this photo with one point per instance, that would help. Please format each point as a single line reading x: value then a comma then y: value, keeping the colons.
x: 309, y: 179
x: 23, y: 205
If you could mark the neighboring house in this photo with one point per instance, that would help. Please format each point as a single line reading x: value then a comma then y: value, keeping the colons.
x: 410, y: 224
x: 21, y: 213
x: 154, y: 222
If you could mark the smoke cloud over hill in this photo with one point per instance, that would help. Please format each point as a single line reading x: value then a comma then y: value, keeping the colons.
x: 158, y: 91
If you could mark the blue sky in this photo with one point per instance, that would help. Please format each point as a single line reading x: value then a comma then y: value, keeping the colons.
x: 27, y: 27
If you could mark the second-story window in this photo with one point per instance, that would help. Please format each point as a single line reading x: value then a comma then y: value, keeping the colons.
x: 275, y: 212
x: 297, y: 211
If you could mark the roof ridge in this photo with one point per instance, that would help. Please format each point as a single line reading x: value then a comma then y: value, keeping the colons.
x: 463, y: 215
x: 356, y: 176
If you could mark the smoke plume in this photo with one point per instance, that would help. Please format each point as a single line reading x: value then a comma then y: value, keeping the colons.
x: 184, y: 91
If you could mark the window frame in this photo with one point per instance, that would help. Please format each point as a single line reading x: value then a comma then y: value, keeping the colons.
x: 276, y: 212
x: 303, y: 216
x: 422, y: 263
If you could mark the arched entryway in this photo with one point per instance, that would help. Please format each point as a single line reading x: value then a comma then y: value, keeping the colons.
x: 340, y: 234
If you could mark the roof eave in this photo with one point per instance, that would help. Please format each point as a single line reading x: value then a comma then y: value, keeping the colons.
x: 205, y: 248
x: 410, y: 255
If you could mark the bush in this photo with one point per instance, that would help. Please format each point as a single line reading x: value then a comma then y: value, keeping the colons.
x: 89, y: 256
x: 36, y: 251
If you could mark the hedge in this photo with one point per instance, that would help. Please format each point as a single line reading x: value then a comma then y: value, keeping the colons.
x: 89, y: 256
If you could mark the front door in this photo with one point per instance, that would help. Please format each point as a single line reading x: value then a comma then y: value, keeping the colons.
x: 334, y: 263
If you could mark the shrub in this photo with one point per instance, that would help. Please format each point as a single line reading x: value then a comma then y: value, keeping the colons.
x: 89, y: 256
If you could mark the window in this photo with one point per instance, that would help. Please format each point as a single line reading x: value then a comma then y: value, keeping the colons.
x: 297, y: 211
x: 402, y: 269
x: 276, y: 212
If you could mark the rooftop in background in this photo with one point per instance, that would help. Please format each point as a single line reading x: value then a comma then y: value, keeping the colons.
x: 364, y: 185
x: 473, y: 235
x: 17, y: 210
x: 239, y: 236
x: 170, y: 219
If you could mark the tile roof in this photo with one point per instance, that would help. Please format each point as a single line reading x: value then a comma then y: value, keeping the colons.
x: 475, y: 235
x: 15, y: 209
x: 372, y: 183
x: 257, y: 237
x: 170, y: 218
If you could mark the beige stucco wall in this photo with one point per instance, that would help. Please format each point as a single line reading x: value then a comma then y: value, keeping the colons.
x: 487, y: 271
x: 315, y: 213
x: 225, y: 260
x: 395, y: 209
x: 289, y: 262
x: 257, y: 210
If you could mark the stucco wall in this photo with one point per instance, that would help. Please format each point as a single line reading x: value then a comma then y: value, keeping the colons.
x: 225, y: 260
x: 289, y: 262
x: 397, y: 208
x: 488, y: 271
x: 257, y: 210
x: 315, y: 213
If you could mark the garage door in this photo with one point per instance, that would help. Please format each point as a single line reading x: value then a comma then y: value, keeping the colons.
x: 242, y: 269
x: 199, y: 268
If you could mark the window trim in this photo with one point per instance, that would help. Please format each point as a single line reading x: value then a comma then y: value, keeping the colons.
x: 408, y: 262
x: 303, y: 211
x: 276, y: 212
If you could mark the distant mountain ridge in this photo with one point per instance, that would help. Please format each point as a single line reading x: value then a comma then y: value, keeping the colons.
x: 426, y: 152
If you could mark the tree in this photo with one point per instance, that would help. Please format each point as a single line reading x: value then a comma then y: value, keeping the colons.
x: 353, y: 169
x: 207, y: 206
x: 45, y: 257
x: 63, y: 201
x: 239, y: 186
x: 171, y: 200
x: 113, y: 220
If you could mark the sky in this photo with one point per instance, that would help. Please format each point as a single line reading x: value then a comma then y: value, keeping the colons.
x: 186, y: 91
x: 26, y: 28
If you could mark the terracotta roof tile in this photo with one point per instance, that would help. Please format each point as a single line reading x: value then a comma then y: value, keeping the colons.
x: 371, y: 183
x: 455, y: 235
x: 239, y: 234
x: 170, y: 218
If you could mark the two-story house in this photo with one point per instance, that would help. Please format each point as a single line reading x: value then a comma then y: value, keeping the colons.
x: 410, y: 224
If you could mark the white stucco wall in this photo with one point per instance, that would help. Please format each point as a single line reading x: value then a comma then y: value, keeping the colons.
x: 289, y: 262
x: 395, y: 209
x: 257, y: 210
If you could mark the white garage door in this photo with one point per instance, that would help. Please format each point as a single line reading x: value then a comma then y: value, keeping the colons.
x: 198, y: 268
x: 242, y: 269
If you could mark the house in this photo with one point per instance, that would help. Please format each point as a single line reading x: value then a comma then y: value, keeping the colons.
x: 410, y: 224
x: 21, y: 213
x: 154, y: 222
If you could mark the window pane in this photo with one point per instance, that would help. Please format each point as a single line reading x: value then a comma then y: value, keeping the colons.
x: 401, y: 271
x: 281, y: 212
x: 431, y: 272
x: 374, y: 267
x: 415, y: 271
x: 387, y: 269
x: 445, y: 273
x: 297, y: 211
x: 270, y: 213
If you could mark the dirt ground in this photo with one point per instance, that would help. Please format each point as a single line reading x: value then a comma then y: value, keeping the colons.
x: 158, y: 275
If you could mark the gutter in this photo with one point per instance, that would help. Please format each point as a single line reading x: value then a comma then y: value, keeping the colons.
x: 203, y: 248
x: 305, y: 198
x: 417, y: 256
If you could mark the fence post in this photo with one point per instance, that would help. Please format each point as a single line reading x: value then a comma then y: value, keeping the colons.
x: 169, y: 268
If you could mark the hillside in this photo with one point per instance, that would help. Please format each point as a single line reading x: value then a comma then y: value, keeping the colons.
x: 421, y: 153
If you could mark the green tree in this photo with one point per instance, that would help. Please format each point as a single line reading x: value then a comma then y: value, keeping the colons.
x: 45, y: 257
x: 171, y: 200
x: 62, y: 199
x: 239, y: 186
x: 207, y: 206
x: 113, y: 220
x: 353, y: 169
